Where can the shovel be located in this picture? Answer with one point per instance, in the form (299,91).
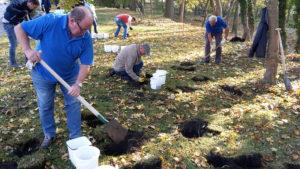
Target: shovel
(114,129)
(286,80)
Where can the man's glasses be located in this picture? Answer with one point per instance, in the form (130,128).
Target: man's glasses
(81,30)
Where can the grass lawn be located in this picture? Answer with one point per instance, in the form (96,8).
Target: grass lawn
(263,119)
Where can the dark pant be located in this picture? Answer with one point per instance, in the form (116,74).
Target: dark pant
(136,69)
(9,29)
(218,38)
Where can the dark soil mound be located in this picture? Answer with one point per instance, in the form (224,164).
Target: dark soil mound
(187,64)
(151,163)
(186,89)
(232,90)
(184,68)
(237,39)
(195,128)
(27,147)
(292,166)
(9,165)
(251,161)
(91,120)
(200,78)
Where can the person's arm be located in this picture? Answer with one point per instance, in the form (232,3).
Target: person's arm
(32,55)
(209,37)
(129,22)
(226,33)
(83,73)
(129,68)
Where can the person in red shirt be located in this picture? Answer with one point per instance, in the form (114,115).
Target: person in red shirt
(123,20)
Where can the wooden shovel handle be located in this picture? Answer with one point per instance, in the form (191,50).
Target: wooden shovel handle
(80,98)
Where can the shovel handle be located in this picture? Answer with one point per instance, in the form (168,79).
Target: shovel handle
(80,98)
(281,50)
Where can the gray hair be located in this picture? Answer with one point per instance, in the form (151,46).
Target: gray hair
(79,13)
(212,18)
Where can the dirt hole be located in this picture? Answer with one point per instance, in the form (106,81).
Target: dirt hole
(253,161)
(187,63)
(232,90)
(186,89)
(292,166)
(132,142)
(91,120)
(237,39)
(150,163)
(9,165)
(195,128)
(184,68)
(200,78)
(27,147)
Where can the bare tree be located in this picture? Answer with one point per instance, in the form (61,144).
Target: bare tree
(235,23)
(181,11)
(282,19)
(271,62)
(250,16)
(297,23)
(244,19)
(218,8)
(169,9)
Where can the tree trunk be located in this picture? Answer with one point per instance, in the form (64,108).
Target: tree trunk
(218,8)
(282,20)
(244,19)
(205,12)
(235,23)
(297,24)
(213,7)
(181,11)
(169,9)
(250,16)
(230,6)
(271,61)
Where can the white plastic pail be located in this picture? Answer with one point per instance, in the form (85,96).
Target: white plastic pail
(86,157)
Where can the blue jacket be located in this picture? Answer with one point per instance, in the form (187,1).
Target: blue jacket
(260,41)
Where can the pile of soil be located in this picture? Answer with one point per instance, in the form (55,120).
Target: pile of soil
(200,78)
(232,90)
(34,161)
(237,39)
(132,142)
(292,166)
(253,161)
(184,68)
(91,120)
(150,163)
(195,128)
(186,89)
(28,147)
(187,63)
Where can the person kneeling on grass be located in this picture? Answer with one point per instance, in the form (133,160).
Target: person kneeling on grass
(128,63)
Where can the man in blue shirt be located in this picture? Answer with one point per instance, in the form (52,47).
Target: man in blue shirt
(66,46)
(214,28)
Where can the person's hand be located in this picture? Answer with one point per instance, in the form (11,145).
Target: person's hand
(33,55)
(143,75)
(141,79)
(74,90)
(226,38)
(130,28)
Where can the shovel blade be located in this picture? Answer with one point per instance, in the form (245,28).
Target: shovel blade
(287,83)
(115,131)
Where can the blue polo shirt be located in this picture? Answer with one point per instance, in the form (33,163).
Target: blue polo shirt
(218,28)
(59,50)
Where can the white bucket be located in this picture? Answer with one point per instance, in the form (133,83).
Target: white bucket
(105,35)
(160,75)
(86,157)
(155,83)
(122,47)
(74,145)
(115,48)
(107,48)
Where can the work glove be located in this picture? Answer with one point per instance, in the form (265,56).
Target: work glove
(143,75)
(130,28)
(141,79)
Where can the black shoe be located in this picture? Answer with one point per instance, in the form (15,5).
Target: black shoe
(46,142)
(110,73)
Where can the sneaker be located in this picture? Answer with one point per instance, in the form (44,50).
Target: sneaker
(46,142)
(206,60)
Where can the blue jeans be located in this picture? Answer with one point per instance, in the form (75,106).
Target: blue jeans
(9,29)
(136,69)
(218,38)
(120,24)
(45,91)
